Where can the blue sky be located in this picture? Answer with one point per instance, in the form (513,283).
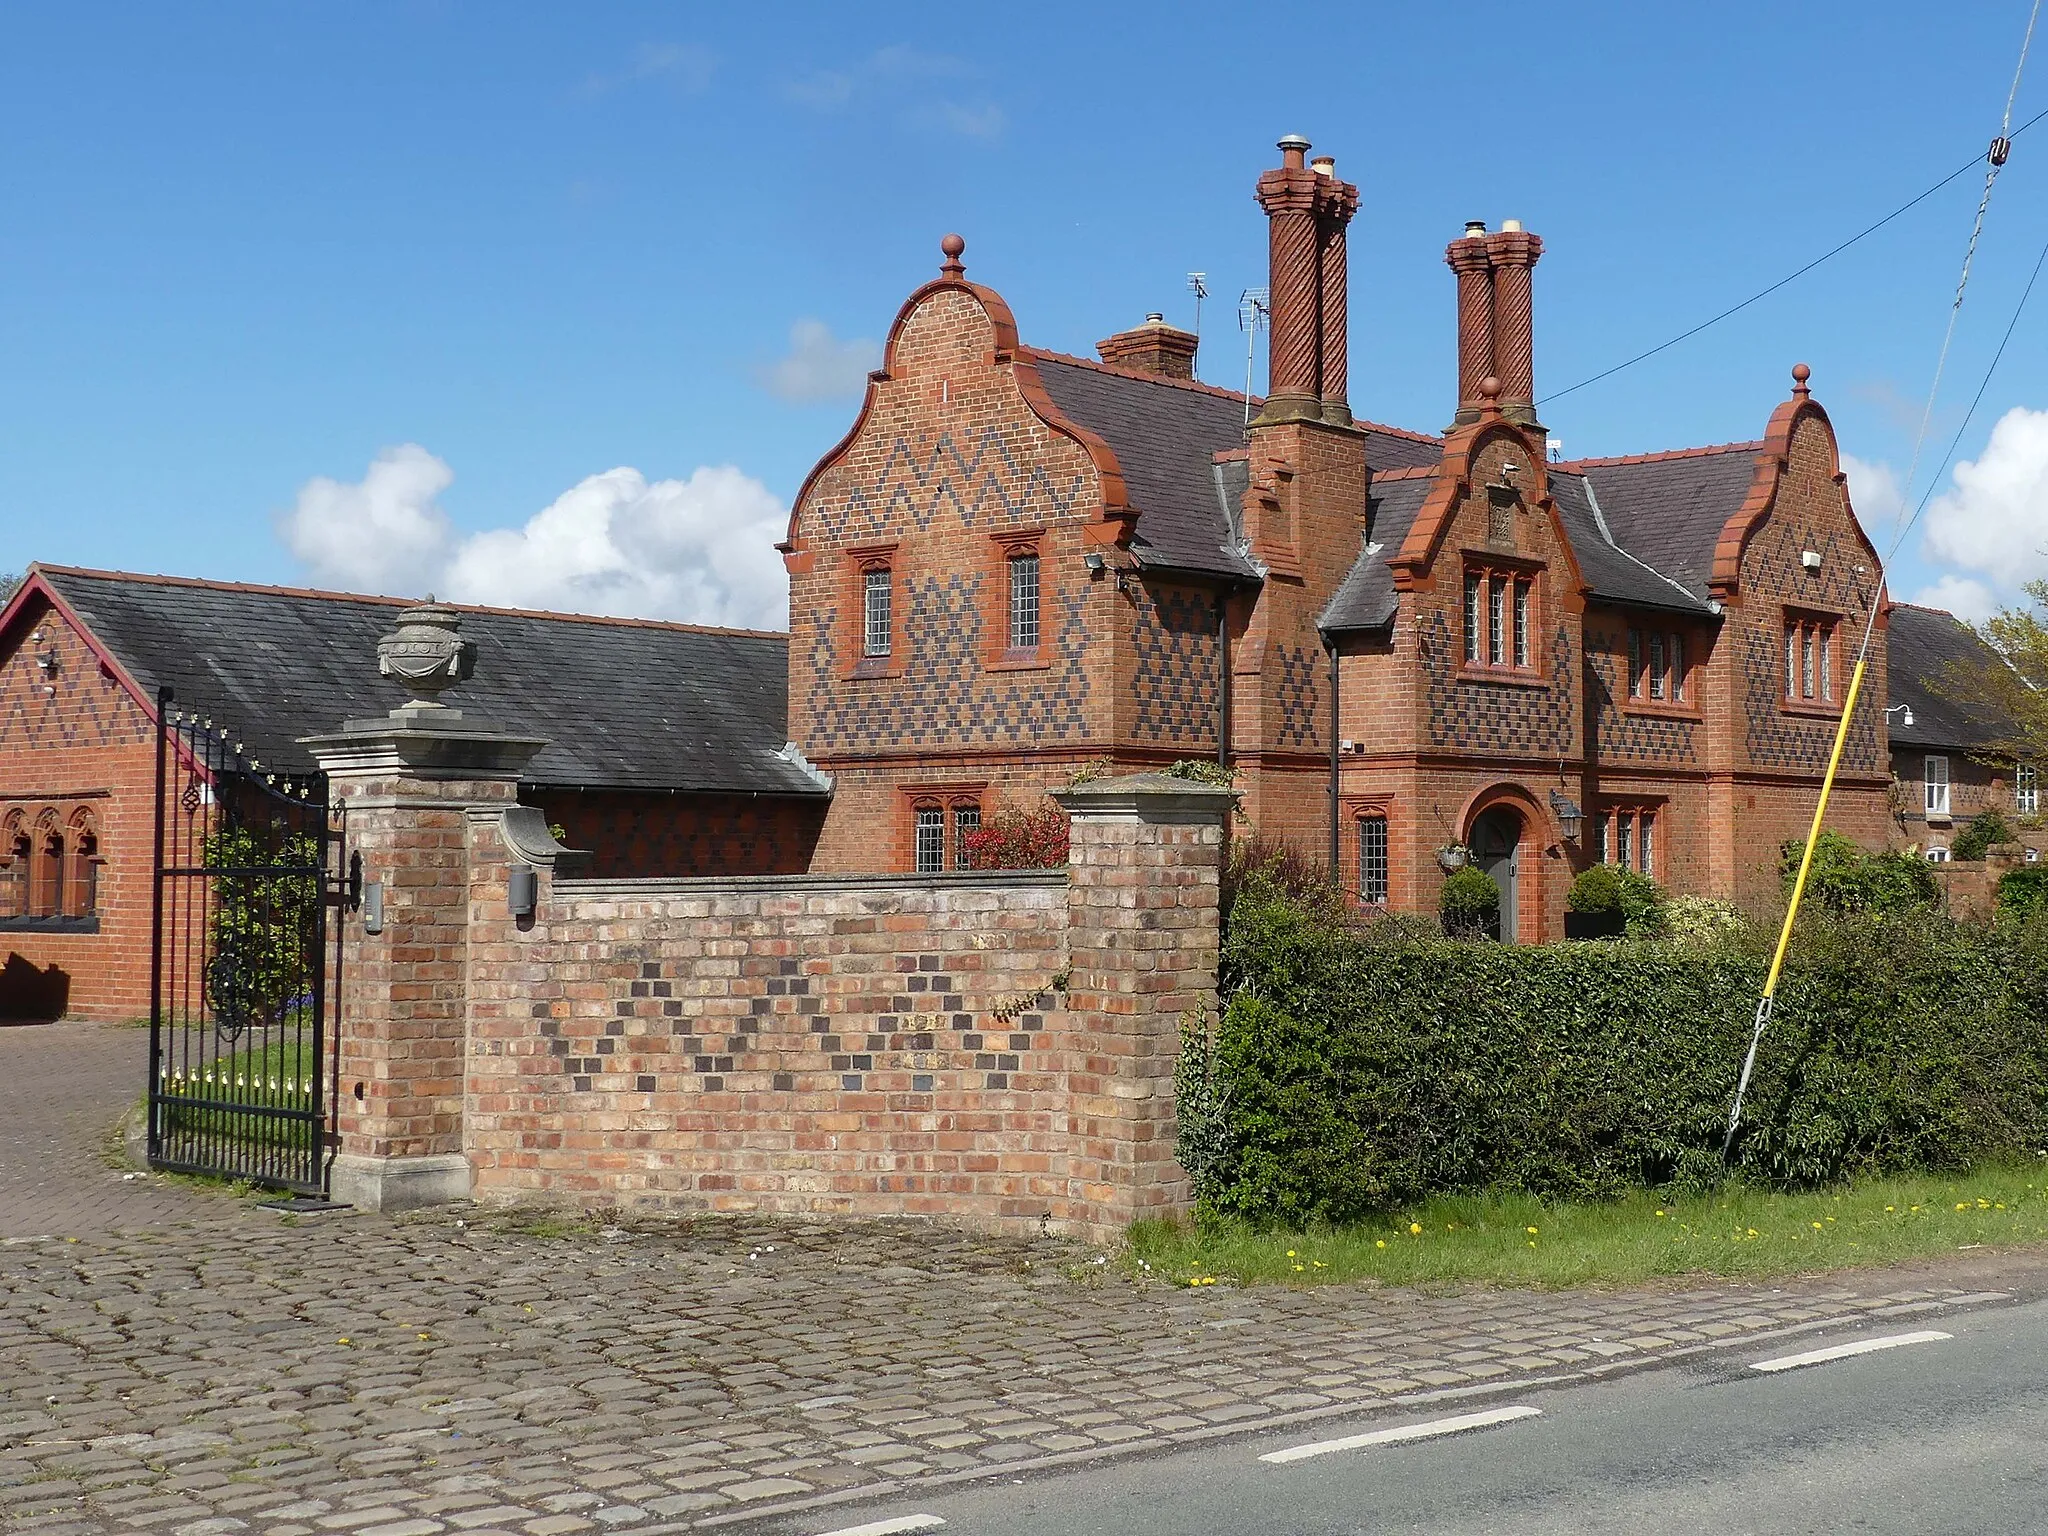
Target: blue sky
(623,262)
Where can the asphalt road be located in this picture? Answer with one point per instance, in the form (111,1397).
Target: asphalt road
(1945,1435)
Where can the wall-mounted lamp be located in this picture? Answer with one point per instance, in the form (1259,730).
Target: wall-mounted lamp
(1569,816)
(1097,564)
(1903,711)
(522,890)
(373,907)
(1810,558)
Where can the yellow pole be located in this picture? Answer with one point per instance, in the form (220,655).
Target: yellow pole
(1820,810)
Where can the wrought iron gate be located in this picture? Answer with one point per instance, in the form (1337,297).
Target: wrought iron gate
(243,959)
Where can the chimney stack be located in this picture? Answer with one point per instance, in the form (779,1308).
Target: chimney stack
(1496,318)
(1515,252)
(1154,347)
(1307,209)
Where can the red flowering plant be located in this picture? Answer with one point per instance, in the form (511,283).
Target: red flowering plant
(1014,839)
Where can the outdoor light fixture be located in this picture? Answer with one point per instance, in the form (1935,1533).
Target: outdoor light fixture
(1095,563)
(1568,814)
(522,890)
(1810,558)
(1903,711)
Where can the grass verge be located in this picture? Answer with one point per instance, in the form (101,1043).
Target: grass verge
(1521,1241)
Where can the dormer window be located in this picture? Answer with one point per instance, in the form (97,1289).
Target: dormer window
(1500,619)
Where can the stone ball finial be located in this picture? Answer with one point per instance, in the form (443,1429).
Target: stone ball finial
(1800,374)
(426,652)
(1489,389)
(952,246)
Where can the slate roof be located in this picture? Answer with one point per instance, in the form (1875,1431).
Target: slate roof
(1166,434)
(625,704)
(1668,509)
(1922,643)
(1613,572)
(1365,598)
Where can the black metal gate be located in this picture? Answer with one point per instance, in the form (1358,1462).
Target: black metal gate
(244,958)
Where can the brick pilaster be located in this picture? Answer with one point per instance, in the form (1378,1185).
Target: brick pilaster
(401,1025)
(1143,936)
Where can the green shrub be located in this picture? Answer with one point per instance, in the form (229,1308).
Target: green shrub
(1284,867)
(1469,901)
(1595,890)
(1361,1069)
(263,931)
(1642,905)
(1701,920)
(2023,892)
(1847,878)
(1986,830)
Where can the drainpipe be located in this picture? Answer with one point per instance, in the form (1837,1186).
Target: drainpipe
(1223,676)
(1330,644)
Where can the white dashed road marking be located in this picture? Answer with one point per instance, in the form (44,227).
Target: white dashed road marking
(1457,1424)
(1844,1351)
(890,1527)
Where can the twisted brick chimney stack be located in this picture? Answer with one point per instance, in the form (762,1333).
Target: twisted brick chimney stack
(1496,318)
(1308,210)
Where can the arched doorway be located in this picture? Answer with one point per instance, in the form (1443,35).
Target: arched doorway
(1496,852)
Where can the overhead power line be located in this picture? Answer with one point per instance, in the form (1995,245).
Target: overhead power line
(1792,277)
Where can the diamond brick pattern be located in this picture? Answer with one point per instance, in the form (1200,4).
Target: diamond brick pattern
(1173,638)
(1300,696)
(1627,736)
(983,485)
(1491,717)
(944,698)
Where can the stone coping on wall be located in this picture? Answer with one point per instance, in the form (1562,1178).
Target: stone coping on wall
(958,879)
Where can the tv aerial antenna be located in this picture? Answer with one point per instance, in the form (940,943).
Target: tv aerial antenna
(1198,285)
(1254,313)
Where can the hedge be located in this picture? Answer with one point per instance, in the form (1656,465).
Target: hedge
(1353,1072)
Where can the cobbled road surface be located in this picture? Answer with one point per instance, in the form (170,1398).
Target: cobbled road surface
(180,1360)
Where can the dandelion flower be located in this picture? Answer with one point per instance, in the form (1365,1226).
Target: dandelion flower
(1818,1227)
(1660,1213)
(1298,1268)
(1532,1231)
(1962,1205)
(1290,1253)
(1752,1232)
(1415,1229)
(1381,1243)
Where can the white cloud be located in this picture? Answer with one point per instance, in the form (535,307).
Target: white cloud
(1962,596)
(701,550)
(929,90)
(684,67)
(819,366)
(378,534)
(1995,518)
(1874,493)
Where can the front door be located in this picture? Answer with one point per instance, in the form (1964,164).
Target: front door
(1496,850)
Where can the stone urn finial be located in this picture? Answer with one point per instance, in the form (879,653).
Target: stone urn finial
(426,652)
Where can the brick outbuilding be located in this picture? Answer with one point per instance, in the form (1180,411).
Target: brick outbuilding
(678,763)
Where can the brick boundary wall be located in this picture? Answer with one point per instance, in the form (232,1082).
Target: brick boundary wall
(992,1049)
(996,1049)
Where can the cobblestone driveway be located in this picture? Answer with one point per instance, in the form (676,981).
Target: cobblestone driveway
(238,1370)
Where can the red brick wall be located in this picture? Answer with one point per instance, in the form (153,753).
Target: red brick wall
(87,749)
(994,1049)
(633,835)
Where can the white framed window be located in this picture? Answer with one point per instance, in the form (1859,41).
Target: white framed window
(1471,615)
(1521,623)
(1496,622)
(1024,601)
(2026,790)
(931,839)
(1624,825)
(1937,855)
(1372,860)
(877,615)
(966,819)
(1935,776)
(1646,846)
